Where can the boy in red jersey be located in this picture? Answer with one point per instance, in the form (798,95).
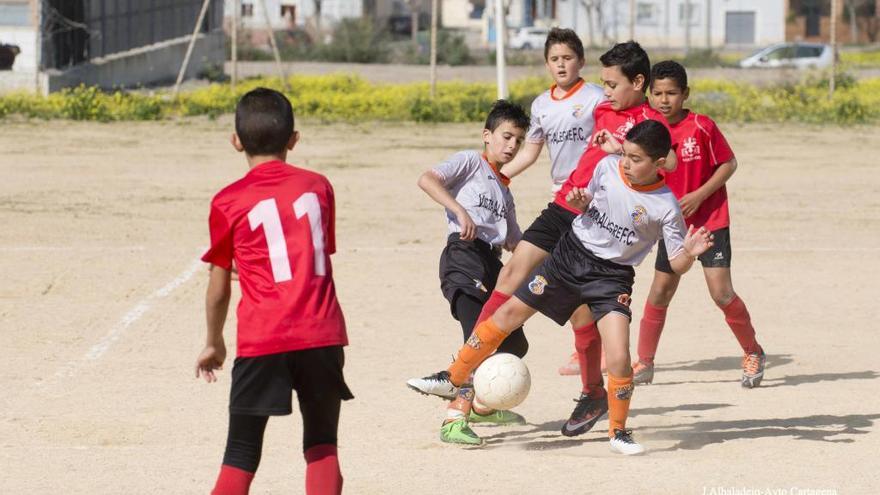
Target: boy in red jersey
(625,209)
(626,71)
(706,162)
(277,225)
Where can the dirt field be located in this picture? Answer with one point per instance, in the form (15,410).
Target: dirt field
(102,317)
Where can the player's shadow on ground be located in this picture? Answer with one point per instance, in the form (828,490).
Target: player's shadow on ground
(790,380)
(819,428)
(722,363)
(547,436)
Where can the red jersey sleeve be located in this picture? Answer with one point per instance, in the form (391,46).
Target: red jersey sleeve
(719,150)
(220,253)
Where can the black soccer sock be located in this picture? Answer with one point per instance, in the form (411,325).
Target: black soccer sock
(244,445)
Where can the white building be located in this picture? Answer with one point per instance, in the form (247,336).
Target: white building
(287,14)
(678,23)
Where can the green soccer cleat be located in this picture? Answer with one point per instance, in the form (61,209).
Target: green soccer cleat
(497,418)
(458,431)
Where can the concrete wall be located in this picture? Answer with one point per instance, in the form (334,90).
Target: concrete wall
(158,63)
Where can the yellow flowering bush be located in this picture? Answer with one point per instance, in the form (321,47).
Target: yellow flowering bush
(349,98)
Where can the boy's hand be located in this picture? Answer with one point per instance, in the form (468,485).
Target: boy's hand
(697,243)
(579,198)
(689,203)
(210,359)
(605,140)
(468,227)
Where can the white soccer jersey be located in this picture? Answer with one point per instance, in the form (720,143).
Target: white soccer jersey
(565,124)
(475,185)
(624,221)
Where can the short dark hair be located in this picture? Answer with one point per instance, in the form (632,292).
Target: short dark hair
(632,60)
(670,69)
(566,37)
(264,121)
(506,111)
(652,136)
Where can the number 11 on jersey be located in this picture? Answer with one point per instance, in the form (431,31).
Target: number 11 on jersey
(266,213)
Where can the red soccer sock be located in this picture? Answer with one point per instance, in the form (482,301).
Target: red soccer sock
(496,299)
(650,329)
(740,322)
(323,476)
(232,481)
(588,345)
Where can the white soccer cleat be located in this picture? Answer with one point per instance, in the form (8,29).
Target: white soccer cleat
(437,384)
(622,442)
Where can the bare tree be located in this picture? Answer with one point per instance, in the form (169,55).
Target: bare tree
(850,6)
(414,18)
(318,5)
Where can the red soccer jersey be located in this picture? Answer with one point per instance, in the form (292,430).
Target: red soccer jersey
(277,223)
(619,122)
(701,148)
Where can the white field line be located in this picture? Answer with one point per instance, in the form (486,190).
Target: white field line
(12,249)
(127,320)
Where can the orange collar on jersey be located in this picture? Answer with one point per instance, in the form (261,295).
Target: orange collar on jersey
(501,177)
(568,93)
(640,188)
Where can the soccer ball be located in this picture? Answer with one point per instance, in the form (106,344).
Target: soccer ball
(502,382)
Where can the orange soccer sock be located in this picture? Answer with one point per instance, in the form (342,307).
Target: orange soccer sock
(619,393)
(650,328)
(740,323)
(485,338)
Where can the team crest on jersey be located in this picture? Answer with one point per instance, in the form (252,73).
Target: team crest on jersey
(537,285)
(639,215)
(624,128)
(577,111)
(690,149)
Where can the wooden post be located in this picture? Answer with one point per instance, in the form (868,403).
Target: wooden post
(192,43)
(687,27)
(274,45)
(500,30)
(632,19)
(831,81)
(434,8)
(236,10)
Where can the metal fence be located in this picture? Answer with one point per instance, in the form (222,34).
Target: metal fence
(75,31)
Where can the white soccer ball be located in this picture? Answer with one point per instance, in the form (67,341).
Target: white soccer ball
(502,381)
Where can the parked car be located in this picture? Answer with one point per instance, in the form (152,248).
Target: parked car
(796,55)
(529,38)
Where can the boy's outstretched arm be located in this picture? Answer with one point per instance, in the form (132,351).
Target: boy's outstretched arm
(692,200)
(696,242)
(216,306)
(433,186)
(526,157)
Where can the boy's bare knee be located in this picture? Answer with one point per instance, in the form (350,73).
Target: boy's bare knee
(722,297)
(617,362)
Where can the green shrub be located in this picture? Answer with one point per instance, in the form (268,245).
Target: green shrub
(338,97)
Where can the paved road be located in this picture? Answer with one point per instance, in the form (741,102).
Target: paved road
(389,73)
